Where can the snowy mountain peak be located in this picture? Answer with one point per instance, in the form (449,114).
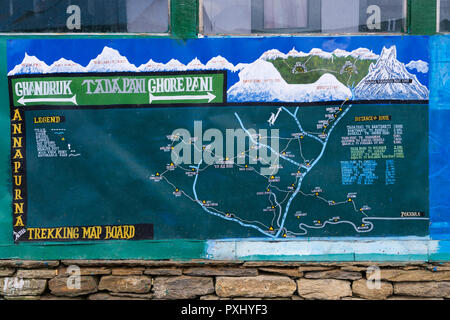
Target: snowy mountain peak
(195,64)
(388,53)
(110,60)
(107,51)
(64,65)
(295,53)
(151,66)
(261,81)
(273,54)
(219,63)
(292,52)
(260,70)
(387,56)
(174,65)
(29,65)
(319,52)
(388,79)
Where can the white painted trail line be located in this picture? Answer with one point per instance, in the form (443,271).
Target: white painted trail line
(209,96)
(23,101)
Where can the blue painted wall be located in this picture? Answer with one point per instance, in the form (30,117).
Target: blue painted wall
(439,120)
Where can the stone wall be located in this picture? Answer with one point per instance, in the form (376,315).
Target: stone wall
(205,279)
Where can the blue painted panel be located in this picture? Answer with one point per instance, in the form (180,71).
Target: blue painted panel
(439,119)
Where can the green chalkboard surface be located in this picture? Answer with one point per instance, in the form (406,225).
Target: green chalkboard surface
(192,170)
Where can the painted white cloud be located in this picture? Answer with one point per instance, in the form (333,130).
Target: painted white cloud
(419,65)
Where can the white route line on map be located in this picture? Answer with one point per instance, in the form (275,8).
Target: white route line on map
(366,226)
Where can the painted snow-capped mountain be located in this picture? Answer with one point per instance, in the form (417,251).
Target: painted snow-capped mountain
(151,66)
(273,54)
(364,54)
(29,65)
(110,60)
(261,81)
(320,53)
(174,65)
(64,65)
(219,63)
(296,54)
(388,79)
(360,53)
(195,64)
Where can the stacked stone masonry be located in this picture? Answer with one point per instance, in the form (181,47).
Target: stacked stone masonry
(213,280)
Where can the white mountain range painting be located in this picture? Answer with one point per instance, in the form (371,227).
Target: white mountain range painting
(261,81)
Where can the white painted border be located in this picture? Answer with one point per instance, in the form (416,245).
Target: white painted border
(245,249)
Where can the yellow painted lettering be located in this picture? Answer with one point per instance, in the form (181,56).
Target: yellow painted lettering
(17,115)
(19,222)
(18,154)
(17,128)
(17,142)
(17,194)
(17,180)
(18,208)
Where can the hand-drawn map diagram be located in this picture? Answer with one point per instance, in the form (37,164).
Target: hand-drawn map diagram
(316,141)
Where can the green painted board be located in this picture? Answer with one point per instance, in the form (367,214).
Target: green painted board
(120,89)
(118,166)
